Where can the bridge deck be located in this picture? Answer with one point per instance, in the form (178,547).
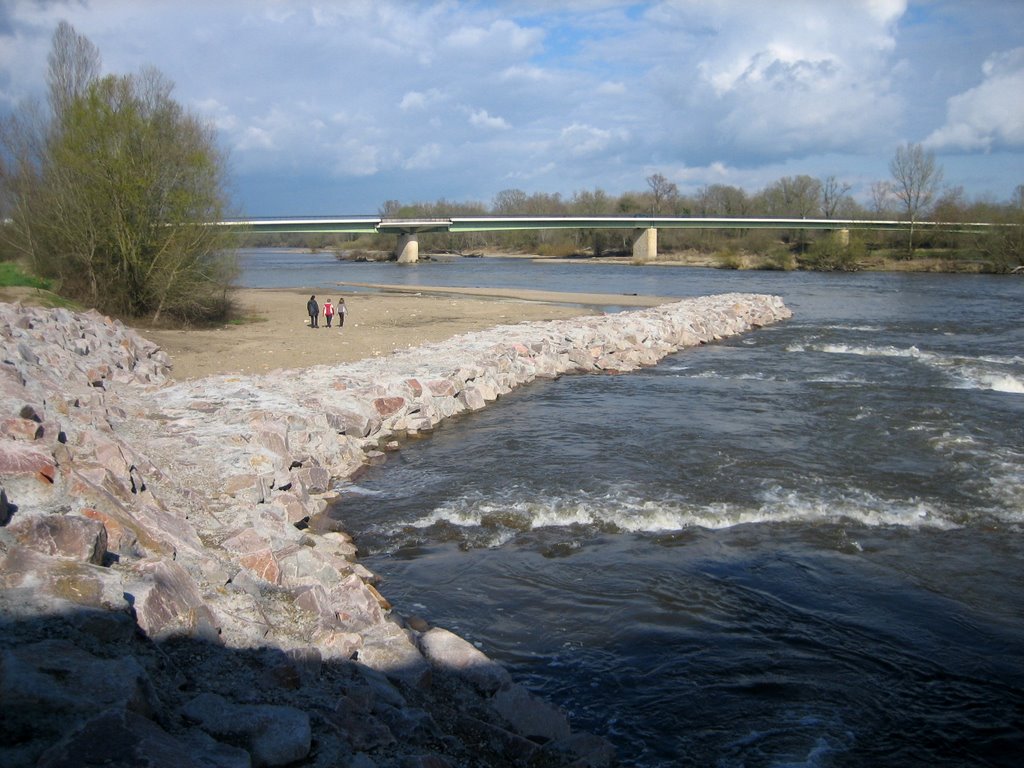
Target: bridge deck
(379,225)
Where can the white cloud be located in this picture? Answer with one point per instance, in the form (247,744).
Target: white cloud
(501,35)
(424,157)
(280,13)
(804,75)
(481,119)
(216,113)
(529,173)
(525,73)
(413,101)
(990,115)
(254,138)
(579,140)
(353,157)
(609,88)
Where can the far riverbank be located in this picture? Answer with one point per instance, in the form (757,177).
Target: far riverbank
(746,260)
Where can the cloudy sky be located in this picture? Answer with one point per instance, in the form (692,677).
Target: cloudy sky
(334,107)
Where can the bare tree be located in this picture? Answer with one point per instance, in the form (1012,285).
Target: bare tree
(881,194)
(510,202)
(595,203)
(798,196)
(662,191)
(832,194)
(723,200)
(390,209)
(22,154)
(74,65)
(916,180)
(951,205)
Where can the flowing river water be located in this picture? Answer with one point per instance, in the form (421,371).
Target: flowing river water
(802,546)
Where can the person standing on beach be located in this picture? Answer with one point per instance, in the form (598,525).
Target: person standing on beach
(314,312)
(328,312)
(342,311)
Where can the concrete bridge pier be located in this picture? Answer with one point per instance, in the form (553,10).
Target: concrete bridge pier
(408,249)
(645,246)
(842,237)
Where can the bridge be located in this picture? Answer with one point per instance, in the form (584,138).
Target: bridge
(644,228)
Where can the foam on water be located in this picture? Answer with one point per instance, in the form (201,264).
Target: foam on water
(1004,478)
(997,472)
(997,382)
(860,328)
(757,376)
(863,350)
(358,490)
(687,371)
(997,373)
(492,520)
(853,505)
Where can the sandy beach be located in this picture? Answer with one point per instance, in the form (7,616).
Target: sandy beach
(274,331)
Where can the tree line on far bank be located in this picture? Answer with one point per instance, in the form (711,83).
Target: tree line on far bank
(106,192)
(914,193)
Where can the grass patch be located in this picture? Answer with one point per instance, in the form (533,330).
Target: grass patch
(36,297)
(17,285)
(12,276)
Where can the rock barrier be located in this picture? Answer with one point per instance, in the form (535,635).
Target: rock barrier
(172,587)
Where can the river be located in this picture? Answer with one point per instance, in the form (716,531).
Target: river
(802,546)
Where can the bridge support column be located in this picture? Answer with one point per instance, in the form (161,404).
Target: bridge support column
(842,237)
(645,246)
(408,249)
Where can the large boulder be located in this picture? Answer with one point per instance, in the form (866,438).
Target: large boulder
(49,687)
(272,735)
(119,737)
(167,603)
(32,581)
(79,538)
(450,653)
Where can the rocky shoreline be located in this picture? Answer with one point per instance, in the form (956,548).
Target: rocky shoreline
(173,590)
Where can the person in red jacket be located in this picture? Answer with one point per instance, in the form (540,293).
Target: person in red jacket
(328,312)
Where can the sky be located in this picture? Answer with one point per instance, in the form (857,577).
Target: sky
(332,108)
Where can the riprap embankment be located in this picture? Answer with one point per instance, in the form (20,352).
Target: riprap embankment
(170,582)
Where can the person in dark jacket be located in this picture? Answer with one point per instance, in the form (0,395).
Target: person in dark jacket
(314,312)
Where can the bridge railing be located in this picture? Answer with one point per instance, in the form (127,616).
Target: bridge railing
(411,226)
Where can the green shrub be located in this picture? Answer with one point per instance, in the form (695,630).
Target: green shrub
(556,250)
(111,194)
(759,241)
(829,255)
(779,258)
(729,259)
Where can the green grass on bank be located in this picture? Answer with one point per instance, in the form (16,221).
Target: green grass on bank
(12,276)
(17,285)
